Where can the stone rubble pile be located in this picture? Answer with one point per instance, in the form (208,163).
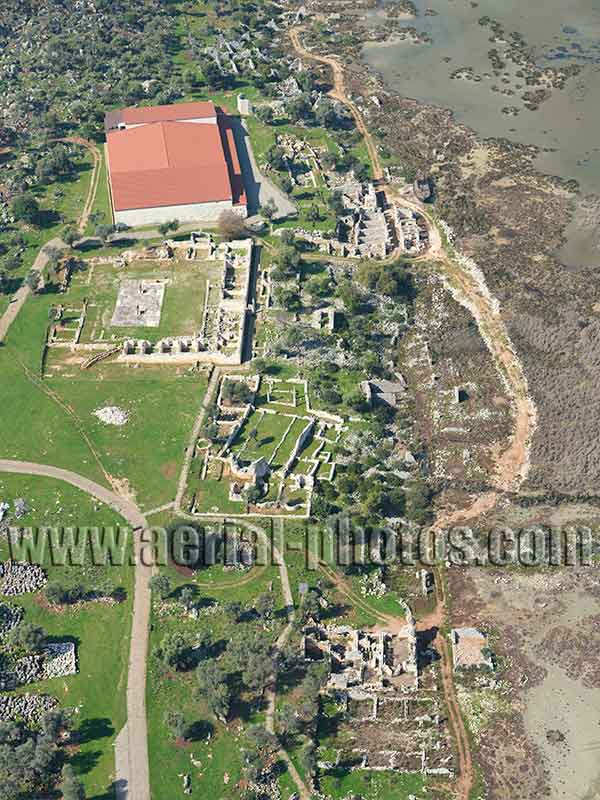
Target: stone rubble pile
(112,415)
(19,577)
(10,616)
(21,508)
(30,707)
(60,659)
(55,661)
(28,669)
(8,682)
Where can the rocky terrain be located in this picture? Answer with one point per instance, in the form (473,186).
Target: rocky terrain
(511,220)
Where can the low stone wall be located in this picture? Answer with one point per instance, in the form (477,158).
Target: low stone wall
(10,617)
(302,439)
(19,577)
(30,707)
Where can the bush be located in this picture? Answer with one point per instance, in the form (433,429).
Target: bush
(175,724)
(25,208)
(236,392)
(175,651)
(170,225)
(29,636)
(71,786)
(232,226)
(55,593)
(161,585)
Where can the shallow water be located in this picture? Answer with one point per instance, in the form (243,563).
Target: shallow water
(562,703)
(557,34)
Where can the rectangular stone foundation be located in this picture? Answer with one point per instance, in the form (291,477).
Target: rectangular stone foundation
(139,304)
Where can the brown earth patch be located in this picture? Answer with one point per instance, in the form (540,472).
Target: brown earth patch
(169,470)
(533,619)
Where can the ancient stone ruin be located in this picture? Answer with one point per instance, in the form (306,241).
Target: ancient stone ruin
(384,719)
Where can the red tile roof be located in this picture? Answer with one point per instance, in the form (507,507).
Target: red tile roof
(167,163)
(135,115)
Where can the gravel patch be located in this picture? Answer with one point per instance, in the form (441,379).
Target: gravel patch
(112,415)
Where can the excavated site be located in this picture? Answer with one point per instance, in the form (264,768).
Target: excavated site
(511,220)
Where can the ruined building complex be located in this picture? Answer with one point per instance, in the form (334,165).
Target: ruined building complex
(384,719)
(220,339)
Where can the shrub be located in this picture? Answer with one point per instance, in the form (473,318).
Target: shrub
(25,208)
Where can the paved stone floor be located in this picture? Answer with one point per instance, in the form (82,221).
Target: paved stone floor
(139,304)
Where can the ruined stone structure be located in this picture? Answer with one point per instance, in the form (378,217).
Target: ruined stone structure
(383,392)
(139,304)
(383,721)
(309,435)
(221,337)
(412,231)
(367,228)
(363,662)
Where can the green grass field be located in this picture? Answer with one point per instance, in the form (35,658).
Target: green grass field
(220,756)
(285,450)
(39,429)
(147,452)
(101,631)
(269,430)
(370,785)
(212,496)
(183,302)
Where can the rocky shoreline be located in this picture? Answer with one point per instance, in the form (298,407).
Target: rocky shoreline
(511,219)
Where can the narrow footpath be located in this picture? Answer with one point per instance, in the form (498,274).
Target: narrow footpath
(271,689)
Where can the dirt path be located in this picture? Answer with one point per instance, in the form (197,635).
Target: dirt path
(468,287)
(56,398)
(270,693)
(435,620)
(91,196)
(19,298)
(253,575)
(132,779)
(339,93)
(271,689)
(342,587)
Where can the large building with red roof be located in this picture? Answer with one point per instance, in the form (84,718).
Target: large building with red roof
(172,162)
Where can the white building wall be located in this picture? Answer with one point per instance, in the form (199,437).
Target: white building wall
(195,212)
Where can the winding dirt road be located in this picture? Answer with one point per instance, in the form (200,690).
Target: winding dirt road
(468,287)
